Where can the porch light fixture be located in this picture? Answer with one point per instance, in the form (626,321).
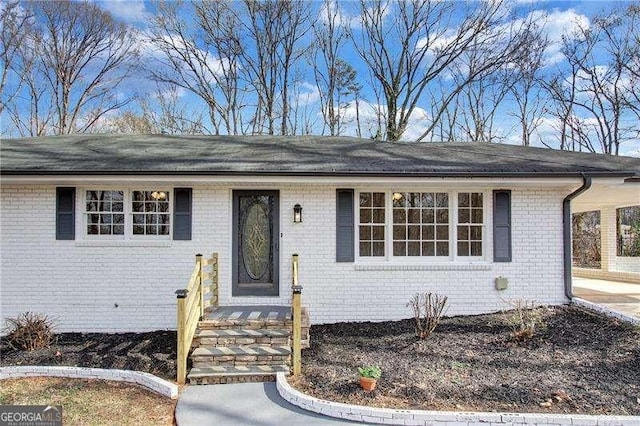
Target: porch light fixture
(297,213)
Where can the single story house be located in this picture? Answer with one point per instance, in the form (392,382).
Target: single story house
(98,231)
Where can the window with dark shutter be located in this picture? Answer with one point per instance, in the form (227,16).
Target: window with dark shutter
(502,226)
(65,213)
(182,214)
(344,225)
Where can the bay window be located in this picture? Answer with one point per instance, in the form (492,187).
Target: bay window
(428,225)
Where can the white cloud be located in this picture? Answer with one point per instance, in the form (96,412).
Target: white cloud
(331,10)
(308,94)
(127,10)
(210,66)
(557,24)
(629,150)
(370,112)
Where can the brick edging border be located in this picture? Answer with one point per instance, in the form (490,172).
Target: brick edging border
(604,310)
(147,380)
(366,414)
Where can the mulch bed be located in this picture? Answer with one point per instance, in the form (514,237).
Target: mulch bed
(580,362)
(152,352)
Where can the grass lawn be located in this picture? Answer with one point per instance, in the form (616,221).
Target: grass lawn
(91,402)
(579,362)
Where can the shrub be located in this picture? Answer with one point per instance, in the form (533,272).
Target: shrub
(524,319)
(370,371)
(428,310)
(29,331)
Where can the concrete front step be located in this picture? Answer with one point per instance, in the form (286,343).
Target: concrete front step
(241,337)
(241,355)
(253,324)
(235,374)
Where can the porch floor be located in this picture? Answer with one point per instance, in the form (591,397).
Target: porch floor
(261,312)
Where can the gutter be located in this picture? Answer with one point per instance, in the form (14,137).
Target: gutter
(566,233)
(311,173)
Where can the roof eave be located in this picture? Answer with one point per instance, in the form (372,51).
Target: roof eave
(630,175)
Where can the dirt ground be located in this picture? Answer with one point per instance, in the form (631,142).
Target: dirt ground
(579,362)
(153,352)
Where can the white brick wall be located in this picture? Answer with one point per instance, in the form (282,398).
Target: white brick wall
(80,282)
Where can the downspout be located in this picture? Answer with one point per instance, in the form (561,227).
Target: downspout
(566,232)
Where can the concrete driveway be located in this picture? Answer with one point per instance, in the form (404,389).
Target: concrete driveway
(617,296)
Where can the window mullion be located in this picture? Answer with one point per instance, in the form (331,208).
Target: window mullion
(128,216)
(454,226)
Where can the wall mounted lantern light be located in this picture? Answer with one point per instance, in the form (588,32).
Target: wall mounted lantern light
(297,213)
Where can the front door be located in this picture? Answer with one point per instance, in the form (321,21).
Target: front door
(255,243)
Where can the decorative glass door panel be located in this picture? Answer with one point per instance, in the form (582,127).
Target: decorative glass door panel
(255,243)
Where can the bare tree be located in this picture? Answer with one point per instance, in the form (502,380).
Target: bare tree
(335,78)
(160,112)
(32,110)
(14,29)
(72,61)
(596,97)
(85,54)
(409,44)
(201,56)
(478,100)
(273,33)
(528,88)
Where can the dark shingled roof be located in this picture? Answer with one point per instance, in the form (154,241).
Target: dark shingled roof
(291,155)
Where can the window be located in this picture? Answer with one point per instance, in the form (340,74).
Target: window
(420,224)
(372,224)
(427,225)
(470,222)
(105,213)
(127,213)
(150,213)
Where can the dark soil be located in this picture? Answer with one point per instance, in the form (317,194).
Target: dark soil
(153,352)
(579,362)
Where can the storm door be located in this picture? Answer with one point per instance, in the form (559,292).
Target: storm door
(255,243)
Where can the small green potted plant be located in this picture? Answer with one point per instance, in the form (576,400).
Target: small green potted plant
(369,376)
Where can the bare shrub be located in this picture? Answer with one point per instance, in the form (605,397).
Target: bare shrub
(29,331)
(524,319)
(428,310)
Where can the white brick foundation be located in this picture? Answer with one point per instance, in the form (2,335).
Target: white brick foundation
(129,286)
(146,380)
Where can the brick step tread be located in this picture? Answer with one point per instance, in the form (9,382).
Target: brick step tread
(246,322)
(228,371)
(262,350)
(242,332)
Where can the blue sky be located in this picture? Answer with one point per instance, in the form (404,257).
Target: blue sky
(561,16)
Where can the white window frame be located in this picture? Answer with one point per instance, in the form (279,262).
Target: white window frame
(128,215)
(453,228)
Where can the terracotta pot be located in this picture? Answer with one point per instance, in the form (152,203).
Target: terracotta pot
(368,384)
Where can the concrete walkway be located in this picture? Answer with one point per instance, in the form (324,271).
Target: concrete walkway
(251,404)
(615,295)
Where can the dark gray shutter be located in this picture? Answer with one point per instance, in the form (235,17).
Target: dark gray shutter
(344,225)
(502,226)
(65,213)
(182,213)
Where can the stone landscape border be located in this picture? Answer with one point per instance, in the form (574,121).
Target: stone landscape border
(147,380)
(605,310)
(365,414)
